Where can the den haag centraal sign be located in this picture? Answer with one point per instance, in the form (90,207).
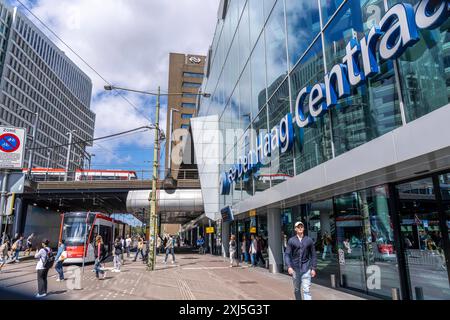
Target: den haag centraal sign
(12,147)
(398,30)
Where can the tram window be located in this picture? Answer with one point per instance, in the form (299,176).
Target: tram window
(106,234)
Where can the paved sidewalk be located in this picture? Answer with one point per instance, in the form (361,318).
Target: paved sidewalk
(192,277)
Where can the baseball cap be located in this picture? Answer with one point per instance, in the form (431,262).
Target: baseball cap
(298,223)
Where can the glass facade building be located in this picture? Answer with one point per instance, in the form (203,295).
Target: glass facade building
(372,199)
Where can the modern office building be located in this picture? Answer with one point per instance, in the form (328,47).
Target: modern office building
(186,72)
(39,77)
(332,113)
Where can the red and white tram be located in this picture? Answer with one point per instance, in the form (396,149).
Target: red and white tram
(49,174)
(79,230)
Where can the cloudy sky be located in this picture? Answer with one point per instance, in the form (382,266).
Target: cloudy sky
(128,42)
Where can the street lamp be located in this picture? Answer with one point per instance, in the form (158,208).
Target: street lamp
(35,125)
(69,149)
(153,215)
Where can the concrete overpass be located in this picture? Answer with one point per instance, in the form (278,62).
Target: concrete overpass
(178,203)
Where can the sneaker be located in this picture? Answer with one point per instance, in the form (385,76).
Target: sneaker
(58,280)
(104,275)
(173,262)
(41,295)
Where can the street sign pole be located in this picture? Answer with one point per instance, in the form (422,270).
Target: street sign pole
(3,203)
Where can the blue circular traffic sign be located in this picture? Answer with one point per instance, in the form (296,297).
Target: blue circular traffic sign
(9,142)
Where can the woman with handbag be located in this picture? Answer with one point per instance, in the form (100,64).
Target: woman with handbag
(61,255)
(100,255)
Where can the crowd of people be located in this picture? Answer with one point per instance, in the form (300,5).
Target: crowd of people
(300,255)
(10,248)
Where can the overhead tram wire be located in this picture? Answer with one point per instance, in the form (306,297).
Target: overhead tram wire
(94,139)
(81,58)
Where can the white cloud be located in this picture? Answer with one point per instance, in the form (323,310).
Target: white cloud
(128,42)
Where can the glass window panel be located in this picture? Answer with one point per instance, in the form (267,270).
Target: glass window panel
(258,76)
(329,7)
(312,143)
(372,109)
(281,165)
(262,178)
(256,19)
(365,240)
(245,145)
(268,5)
(192,75)
(244,38)
(276,54)
(423,239)
(321,227)
(245,90)
(424,72)
(303,25)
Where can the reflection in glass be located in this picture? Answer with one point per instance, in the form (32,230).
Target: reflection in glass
(276,55)
(423,240)
(258,72)
(425,71)
(312,143)
(366,241)
(303,25)
(372,109)
(244,38)
(262,177)
(320,223)
(256,19)
(281,166)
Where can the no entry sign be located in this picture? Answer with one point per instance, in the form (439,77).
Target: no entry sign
(12,142)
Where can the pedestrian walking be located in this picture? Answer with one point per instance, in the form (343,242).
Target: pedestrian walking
(301,259)
(326,243)
(100,256)
(4,254)
(244,249)
(29,244)
(140,249)
(158,244)
(122,242)
(45,262)
(117,255)
(16,248)
(260,245)
(170,249)
(128,245)
(253,250)
(233,251)
(61,255)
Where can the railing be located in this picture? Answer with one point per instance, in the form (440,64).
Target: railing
(53,175)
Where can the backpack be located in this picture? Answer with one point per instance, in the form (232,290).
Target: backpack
(49,260)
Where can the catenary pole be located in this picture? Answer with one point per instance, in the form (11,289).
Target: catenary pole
(152,227)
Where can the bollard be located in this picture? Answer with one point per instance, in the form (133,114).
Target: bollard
(419,293)
(395,292)
(333,281)
(343,281)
